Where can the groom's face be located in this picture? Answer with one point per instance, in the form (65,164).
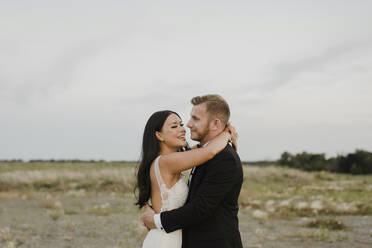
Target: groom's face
(199,122)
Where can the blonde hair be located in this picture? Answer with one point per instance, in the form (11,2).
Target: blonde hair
(216,106)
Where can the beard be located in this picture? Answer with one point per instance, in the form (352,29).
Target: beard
(200,134)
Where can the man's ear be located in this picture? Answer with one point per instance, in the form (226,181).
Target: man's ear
(215,124)
(158,136)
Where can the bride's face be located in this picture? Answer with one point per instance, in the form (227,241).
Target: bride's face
(172,133)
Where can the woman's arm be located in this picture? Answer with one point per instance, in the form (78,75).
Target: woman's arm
(180,161)
(223,177)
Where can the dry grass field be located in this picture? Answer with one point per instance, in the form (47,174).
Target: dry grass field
(92,205)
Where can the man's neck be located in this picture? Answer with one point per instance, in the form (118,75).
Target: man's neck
(209,137)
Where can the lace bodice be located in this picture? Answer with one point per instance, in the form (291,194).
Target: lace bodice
(174,197)
(171,198)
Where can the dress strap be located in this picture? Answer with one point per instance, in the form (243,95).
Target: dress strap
(157,173)
(163,188)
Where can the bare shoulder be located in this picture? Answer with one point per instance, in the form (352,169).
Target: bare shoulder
(164,167)
(164,163)
(152,171)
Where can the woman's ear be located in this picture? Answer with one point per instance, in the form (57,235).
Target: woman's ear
(158,136)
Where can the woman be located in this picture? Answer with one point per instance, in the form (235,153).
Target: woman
(159,173)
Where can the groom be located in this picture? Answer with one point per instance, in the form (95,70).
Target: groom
(209,217)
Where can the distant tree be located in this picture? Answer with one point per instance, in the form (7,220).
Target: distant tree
(305,161)
(359,162)
(285,158)
(12,161)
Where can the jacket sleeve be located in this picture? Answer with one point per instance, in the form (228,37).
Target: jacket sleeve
(219,179)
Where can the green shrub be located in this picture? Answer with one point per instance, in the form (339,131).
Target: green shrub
(305,161)
(357,163)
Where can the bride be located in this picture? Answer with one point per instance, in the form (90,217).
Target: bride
(159,174)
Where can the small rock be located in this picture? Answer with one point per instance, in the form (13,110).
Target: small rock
(259,214)
(302,205)
(67,238)
(317,205)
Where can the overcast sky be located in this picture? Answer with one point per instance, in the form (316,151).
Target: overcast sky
(79,79)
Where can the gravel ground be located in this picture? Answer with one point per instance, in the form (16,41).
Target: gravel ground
(111,220)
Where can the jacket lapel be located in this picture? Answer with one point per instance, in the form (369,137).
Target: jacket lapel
(194,181)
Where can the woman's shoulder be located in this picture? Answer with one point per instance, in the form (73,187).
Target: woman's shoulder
(152,166)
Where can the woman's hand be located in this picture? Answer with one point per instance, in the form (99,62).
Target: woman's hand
(219,143)
(234,135)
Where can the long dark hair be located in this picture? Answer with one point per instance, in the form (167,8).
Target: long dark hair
(150,150)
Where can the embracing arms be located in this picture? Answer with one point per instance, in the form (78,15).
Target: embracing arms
(222,176)
(177,162)
(180,161)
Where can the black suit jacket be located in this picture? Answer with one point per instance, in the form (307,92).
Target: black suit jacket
(210,216)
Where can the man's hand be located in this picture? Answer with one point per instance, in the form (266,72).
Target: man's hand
(147,218)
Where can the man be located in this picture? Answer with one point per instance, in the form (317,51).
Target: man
(209,217)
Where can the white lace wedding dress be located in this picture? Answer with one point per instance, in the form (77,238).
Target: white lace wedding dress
(172,198)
